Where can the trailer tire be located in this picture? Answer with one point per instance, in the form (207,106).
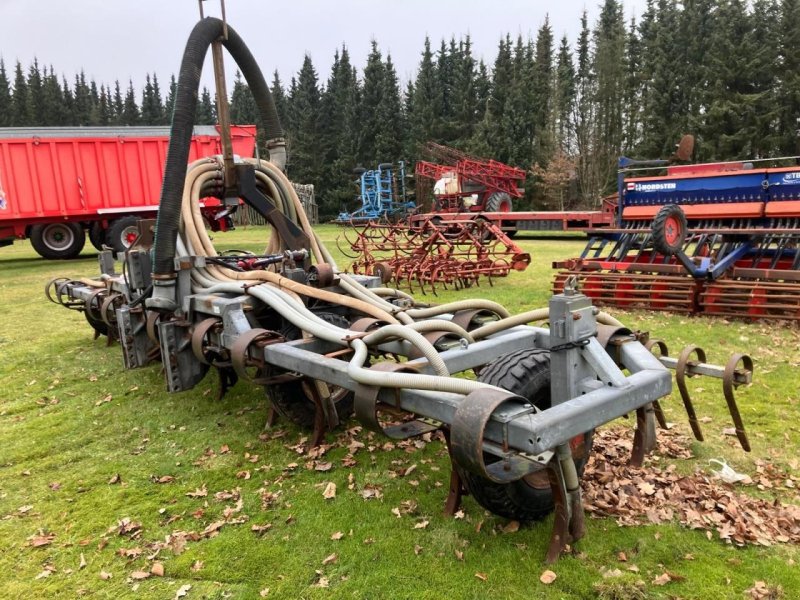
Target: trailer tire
(526,373)
(291,400)
(97,235)
(58,240)
(669,230)
(121,233)
(498,202)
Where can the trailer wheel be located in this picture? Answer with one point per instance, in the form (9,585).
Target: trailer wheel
(669,230)
(58,240)
(122,233)
(292,400)
(97,235)
(526,373)
(498,202)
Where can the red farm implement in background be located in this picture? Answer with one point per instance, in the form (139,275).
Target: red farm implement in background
(465,183)
(717,239)
(57,184)
(467,188)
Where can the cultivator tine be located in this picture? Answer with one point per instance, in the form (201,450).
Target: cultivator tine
(644,438)
(568,518)
(680,379)
(728,385)
(662,351)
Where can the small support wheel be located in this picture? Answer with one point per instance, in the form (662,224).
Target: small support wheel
(525,373)
(669,230)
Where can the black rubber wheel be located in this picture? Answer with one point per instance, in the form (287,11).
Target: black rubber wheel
(122,233)
(526,373)
(58,240)
(292,400)
(669,230)
(498,202)
(97,235)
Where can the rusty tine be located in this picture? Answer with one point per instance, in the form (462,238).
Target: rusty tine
(663,351)
(728,385)
(680,379)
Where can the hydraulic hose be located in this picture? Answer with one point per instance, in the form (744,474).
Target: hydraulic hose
(202,36)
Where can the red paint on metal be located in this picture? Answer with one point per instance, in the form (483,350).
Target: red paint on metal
(84,178)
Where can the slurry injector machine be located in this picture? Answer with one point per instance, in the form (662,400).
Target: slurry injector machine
(324,344)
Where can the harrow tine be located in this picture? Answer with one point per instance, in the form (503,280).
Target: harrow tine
(663,351)
(728,386)
(680,379)
(644,438)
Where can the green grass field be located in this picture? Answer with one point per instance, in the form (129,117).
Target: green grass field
(84,444)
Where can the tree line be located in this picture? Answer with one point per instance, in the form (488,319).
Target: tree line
(727,71)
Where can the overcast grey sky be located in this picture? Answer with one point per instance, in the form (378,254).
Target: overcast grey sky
(124,39)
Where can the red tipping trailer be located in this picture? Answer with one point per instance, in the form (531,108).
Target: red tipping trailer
(57,183)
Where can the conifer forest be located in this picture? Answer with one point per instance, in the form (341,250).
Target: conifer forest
(726,71)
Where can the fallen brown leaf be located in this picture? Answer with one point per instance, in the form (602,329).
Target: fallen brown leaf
(331,558)
(157,569)
(200,492)
(662,579)
(140,575)
(511,527)
(547,577)
(182,591)
(104,575)
(337,535)
(115,479)
(330,491)
(42,539)
(482,576)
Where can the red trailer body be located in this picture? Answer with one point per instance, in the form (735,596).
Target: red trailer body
(57,182)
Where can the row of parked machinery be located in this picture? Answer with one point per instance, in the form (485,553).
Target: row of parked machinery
(324,344)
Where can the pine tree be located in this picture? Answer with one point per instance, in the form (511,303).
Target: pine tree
(732,97)
(609,71)
(206,113)
(104,107)
(169,106)
(372,93)
(632,97)
(158,104)
(118,104)
(390,133)
(585,121)
(305,160)
(564,98)
(541,96)
(464,95)
(422,110)
(338,135)
(130,111)
(664,101)
(5,96)
(69,102)
(35,96)
(279,98)
(243,105)
(83,101)
(789,84)
(53,105)
(20,108)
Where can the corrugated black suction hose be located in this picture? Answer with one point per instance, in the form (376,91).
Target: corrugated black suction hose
(204,33)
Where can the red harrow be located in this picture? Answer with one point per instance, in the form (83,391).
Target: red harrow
(718,239)
(434,253)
